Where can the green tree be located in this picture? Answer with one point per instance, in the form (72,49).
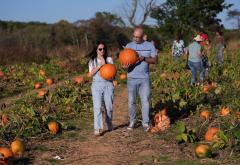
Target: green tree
(186,17)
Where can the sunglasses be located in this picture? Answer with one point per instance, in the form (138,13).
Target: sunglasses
(101,49)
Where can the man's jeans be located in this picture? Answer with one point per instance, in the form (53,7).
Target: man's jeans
(196,66)
(102,90)
(142,87)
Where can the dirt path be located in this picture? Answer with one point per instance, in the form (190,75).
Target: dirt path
(119,146)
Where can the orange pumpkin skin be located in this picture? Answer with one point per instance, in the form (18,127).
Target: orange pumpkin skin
(17,147)
(78,79)
(211,132)
(206,89)
(123,76)
(42,92)
(108,71)
(53,127)
(1,74)
(49,81)
(128,56)
(37,86)
(202,151)
(7,153)
(224,111)
(205,114)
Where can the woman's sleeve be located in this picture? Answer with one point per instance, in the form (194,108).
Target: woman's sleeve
(90,65)
(109,60)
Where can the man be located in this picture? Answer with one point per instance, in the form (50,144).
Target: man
(138,77)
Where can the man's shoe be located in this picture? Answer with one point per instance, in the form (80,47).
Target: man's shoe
(146,127)
(131,125)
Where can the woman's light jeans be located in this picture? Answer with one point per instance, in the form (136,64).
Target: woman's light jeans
(102,90)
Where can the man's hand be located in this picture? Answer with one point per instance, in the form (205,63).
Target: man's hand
(140,58)
(125,66)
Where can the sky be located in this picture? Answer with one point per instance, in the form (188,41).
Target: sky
(51,11)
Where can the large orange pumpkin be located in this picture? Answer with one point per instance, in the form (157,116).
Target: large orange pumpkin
(211,132)
(128,56)
(17,147)
(53,126)
(7,153)
(108,71)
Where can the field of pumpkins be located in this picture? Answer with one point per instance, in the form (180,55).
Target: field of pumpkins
(38,100)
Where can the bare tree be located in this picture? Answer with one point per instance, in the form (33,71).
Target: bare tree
(134,8)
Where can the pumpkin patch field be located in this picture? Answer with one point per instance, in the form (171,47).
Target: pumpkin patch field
(46,115)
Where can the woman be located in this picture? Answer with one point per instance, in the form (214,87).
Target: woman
(219,40)
(194,52)
(177,48)
(102,90)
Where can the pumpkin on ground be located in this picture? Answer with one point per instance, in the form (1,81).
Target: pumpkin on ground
(123,76)
(53,127)
(1,74)
(78,79)
(128,56)
(224,111)
(41,93)
(108,71)
(210,134)
(17,147)
(7,153)
(37,85)
(205,114)
(49,81)
(203,151)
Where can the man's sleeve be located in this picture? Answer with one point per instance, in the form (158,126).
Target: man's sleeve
(153,51)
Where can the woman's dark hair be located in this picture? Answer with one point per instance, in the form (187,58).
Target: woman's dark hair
(93,53)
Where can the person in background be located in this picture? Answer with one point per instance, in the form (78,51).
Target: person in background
(206,48)
(219,47)
(102,90)
(138,78)
(178,47)
(194,53)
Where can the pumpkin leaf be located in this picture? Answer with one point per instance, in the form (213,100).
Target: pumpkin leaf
(181,127)
(184,137)
(179,138)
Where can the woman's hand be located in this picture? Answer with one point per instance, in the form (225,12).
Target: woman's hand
(102,60)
